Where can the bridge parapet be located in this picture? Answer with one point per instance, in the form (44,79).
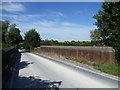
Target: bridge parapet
(103,54)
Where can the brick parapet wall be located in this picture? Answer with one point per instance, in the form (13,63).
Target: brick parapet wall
(104,54)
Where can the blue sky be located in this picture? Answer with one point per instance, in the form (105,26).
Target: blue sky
(62,21)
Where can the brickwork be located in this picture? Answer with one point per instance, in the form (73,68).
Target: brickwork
(105,54)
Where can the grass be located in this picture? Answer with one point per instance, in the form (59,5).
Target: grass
(101,66)
(106,68)
(111,68)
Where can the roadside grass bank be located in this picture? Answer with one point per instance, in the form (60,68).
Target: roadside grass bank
(112,68)
(106,68)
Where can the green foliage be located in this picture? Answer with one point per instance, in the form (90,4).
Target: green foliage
(76,43)
(95,35)
(117,54)
(108,23)
(27,46)
(4,26)
(66,43)
(50,42)
(5,45)
(107,68)
(10,34)
(13,36)
(32,38)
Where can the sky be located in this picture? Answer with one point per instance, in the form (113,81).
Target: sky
(62,21)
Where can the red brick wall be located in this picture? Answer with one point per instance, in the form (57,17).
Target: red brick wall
(105,54)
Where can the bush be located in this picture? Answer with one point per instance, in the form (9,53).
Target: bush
(117,54)
(4,45)
(27,47)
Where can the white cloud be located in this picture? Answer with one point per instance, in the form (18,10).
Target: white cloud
(65,34)
(55,13)
(21,18)
(68,24)
(48,30)
(48,14)
(12,7)
(40,20)
(52,29)
(46,23)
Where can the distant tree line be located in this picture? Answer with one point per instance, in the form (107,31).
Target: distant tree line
(66,43)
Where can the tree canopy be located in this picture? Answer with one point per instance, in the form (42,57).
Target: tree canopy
(13,35)
(10,34)
(108,25)
(4,26)
(66,43)
(32,38)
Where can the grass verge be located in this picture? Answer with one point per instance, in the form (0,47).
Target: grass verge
(106,68)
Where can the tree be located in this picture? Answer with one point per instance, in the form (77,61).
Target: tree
(46,42)
(96,37)
(4,26)
(108,23)
(54,42)
(13,36)
(32,38)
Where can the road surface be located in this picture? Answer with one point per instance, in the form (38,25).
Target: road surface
(36,71)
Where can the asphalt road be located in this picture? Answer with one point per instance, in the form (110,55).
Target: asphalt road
(36,71)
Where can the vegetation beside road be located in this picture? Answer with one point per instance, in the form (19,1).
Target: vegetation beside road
(107,68)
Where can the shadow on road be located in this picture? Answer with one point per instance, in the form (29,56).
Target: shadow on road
(24,64)
(30,82)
